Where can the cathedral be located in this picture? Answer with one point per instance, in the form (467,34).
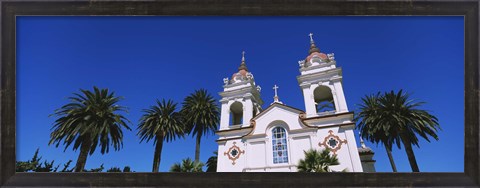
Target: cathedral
(252,139)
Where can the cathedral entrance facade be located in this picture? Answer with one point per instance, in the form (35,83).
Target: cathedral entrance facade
(252,139)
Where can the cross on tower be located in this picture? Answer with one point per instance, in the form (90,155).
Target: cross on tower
(311,37)
(243,55)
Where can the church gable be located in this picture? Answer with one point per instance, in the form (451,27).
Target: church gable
(277,114)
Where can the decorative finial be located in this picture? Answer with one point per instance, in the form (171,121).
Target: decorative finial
(362,143)
(275,98)
(243,66)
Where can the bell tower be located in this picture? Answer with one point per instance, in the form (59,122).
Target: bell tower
(321,83)
(325,106)
(240,99)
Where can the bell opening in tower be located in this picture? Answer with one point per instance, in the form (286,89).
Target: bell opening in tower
(324,102)
(236,114)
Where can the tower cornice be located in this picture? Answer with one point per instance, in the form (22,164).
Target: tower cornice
(329,75)
(320,66)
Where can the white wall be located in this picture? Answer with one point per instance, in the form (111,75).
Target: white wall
(258,156)
(300,144)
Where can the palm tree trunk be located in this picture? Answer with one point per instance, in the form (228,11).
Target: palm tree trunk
(390,157)
(82,157)
(157,156)
(197,147)
(410,154)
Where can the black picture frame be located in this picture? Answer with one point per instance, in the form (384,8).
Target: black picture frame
(12,8)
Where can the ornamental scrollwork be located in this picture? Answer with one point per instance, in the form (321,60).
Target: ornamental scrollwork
(331,56)
(301,63)
(302,115)
(249,76)
(259,88)
(225,81)
(252,122)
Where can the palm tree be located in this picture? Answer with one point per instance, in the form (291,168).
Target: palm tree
(317,161)
(90,119)
(399,121)
(370,130)
(212,162)
(201,116)
(160,123)
(187,166)
(407,121)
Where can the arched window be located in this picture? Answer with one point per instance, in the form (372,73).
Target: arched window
(279,143)
(323,99)
(236,113)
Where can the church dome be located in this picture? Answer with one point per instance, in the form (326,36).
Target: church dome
(315,56)
(242,73)
(314,51)
(320,55)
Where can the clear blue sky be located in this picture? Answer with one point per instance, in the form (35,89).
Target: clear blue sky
(144,58)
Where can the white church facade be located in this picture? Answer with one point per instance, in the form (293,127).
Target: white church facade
(252,139)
